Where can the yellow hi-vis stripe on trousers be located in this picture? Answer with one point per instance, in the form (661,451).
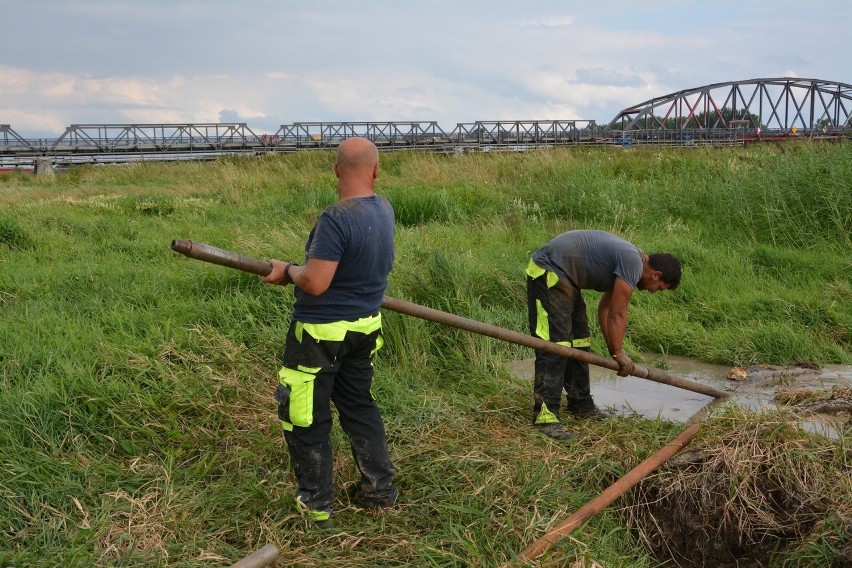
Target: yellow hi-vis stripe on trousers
(336,330)
(542,319)
(534,271)
(300,381)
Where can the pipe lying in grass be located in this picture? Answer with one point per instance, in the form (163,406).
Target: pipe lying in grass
(610,494)
(207,253)
(266,556)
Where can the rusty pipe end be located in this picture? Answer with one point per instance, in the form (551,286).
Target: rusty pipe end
(181,246)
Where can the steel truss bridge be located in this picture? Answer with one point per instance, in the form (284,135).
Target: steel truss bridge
(720,114)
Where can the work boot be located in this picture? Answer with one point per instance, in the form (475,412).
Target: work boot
(325,525)
(586,410)
(372,502)
(590,413)
(555,430)
(320,519)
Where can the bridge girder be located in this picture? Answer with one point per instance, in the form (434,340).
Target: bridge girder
(398,132)
(153,137)
(776,103)
(718,114)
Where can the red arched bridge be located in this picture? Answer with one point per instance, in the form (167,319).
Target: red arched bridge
(720,114)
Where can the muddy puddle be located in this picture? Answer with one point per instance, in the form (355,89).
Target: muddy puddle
(756,388)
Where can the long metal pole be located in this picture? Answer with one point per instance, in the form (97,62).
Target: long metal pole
(453,320)
(207,253)
(609,495)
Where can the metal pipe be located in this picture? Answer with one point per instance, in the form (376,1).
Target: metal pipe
(453,320)
(207,253)
(259,558)
(610,494)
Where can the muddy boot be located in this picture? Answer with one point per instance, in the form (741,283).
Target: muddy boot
(372,500)
(326,525)
(556,431)
(585,409)
(319,518)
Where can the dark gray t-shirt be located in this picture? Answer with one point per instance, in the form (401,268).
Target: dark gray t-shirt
(358,233)
(591,259)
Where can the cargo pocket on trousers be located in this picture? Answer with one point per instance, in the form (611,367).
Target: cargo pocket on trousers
(295,396)
(282,396)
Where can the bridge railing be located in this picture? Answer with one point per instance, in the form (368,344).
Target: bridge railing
(326,134)
(533,133)
(104,143)
(107,138)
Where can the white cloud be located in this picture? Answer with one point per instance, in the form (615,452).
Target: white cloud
(269,62)
(47,124)
(550,22)
(63,99)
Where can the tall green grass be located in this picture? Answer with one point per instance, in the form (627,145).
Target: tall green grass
(137,423)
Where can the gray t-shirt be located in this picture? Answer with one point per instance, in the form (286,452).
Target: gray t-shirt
(357,233)
(591,259)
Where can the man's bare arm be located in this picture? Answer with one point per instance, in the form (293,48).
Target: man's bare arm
(314,277)
(612,314)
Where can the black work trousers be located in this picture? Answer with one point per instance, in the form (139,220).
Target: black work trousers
(340,372)
(557,313)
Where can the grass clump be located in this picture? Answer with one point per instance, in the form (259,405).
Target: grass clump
(754,489)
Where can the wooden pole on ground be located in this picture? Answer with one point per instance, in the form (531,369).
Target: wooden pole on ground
(259,558)
(610,494)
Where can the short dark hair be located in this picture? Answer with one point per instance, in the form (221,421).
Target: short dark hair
(669,265)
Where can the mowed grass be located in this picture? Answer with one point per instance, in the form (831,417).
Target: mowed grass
(137,423)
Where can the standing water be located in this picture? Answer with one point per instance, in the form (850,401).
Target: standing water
(752,388)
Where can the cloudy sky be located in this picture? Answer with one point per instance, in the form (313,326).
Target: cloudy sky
(273,62)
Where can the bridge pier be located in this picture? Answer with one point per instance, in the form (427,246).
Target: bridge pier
(43,166)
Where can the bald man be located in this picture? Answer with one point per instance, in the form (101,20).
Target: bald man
(334,333)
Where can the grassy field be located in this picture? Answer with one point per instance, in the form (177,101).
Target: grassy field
(137,423)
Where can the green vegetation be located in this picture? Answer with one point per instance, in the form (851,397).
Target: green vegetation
(720,118)
(137,423)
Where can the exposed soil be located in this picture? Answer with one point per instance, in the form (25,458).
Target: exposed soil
(744,493)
